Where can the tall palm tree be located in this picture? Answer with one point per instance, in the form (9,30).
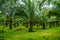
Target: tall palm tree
(28,11)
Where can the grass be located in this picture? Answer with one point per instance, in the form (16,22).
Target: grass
(39,34)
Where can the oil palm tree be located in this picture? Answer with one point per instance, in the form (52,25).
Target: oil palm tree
(8,8)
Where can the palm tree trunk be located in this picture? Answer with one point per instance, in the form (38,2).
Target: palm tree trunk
(4,23)
(50,24)
(31,27)
(31,22)
(43,25)
(10,25)
(27,25)
(37,24)
(57,23)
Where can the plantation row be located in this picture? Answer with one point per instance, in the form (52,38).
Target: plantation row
(29,13)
